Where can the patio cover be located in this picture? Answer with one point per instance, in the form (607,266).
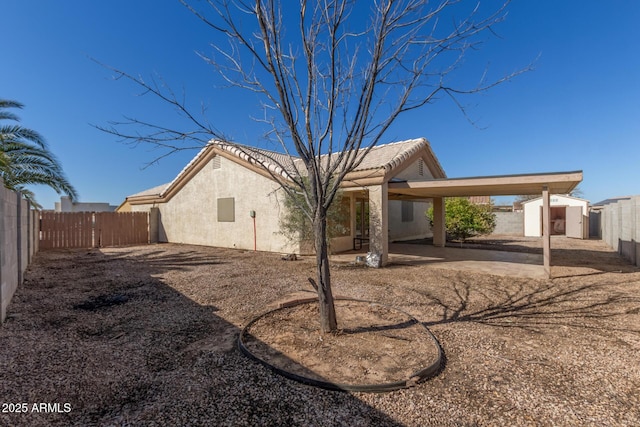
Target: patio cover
(499,185)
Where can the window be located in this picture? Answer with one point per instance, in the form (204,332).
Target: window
(407,211)
(362,218)
(226,210)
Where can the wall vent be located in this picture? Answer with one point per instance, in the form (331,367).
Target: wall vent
(216,162)
(420,167)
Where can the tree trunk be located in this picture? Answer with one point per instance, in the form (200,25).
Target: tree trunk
(328,321)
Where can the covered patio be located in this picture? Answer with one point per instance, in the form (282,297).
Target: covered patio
(543,184)
(497,262)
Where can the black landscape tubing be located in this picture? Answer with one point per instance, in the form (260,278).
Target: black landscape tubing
(414,379)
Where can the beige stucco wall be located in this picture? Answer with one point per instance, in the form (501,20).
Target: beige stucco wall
(417,229)
(341,244)
(191,215)
(412,172)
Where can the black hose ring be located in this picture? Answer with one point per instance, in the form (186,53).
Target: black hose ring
(415,378)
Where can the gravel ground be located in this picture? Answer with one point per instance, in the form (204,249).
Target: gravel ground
(146,336)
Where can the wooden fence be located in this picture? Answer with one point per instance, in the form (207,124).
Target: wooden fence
(92,229)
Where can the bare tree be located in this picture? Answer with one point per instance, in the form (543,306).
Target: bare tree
(333,76)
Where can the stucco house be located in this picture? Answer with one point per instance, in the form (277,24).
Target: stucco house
(229,195)
(218,196)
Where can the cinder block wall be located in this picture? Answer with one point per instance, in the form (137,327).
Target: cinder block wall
(18,243)
(511,223)
(620,223)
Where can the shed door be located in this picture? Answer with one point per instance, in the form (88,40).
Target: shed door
(574,222)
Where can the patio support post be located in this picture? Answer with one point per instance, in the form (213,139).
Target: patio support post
(439,230)
(546,231)
(379,221)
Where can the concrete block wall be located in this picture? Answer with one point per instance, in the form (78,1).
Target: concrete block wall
(510,223)
(18,243)
(8,248)
(620,228)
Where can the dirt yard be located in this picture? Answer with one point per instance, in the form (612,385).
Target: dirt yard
(147,336)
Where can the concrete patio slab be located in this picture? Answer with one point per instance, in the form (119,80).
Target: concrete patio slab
(500,263)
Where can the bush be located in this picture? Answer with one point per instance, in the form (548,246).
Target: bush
(464,219)
(296,225)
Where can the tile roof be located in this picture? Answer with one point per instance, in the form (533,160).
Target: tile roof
(387,156)
(390,156)
(278,163)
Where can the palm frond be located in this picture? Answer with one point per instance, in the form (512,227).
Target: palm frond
(25,158)
(17,133)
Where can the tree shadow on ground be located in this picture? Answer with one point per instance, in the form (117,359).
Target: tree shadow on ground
(140,352)
(534,307)
(163,261)
(603,261)
(562,254)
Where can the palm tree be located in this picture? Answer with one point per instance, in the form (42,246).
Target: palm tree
(25,158)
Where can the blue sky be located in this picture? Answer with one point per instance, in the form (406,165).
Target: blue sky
(579,109)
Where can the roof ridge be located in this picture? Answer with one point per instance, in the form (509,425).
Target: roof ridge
(246,153)
(269,161)
(400,157)
(250,148)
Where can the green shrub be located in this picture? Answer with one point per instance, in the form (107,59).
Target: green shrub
(296,224)
(464,219)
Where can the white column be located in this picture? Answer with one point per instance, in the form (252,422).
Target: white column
(379,220)
(546,231)
(439,229)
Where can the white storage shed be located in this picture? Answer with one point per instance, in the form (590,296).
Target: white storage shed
(569,216)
